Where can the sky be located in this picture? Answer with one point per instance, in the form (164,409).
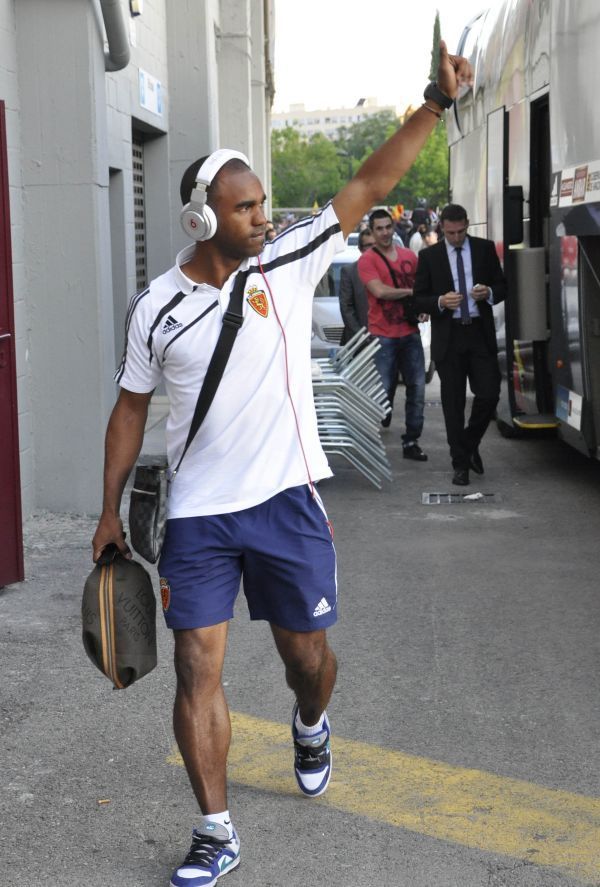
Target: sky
(330,53)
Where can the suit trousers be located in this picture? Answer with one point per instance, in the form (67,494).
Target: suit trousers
(467,359)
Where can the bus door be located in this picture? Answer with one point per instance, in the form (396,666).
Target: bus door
(501,230)
(496,178)
(589,282)
(526,240)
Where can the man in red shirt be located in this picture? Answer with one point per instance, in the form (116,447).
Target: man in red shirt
(388,272)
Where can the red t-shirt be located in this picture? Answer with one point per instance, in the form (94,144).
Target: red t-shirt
(386,316)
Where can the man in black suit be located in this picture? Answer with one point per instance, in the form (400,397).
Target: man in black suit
(354,304)
(458,281)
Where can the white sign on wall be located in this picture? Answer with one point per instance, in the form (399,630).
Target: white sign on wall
(150,93)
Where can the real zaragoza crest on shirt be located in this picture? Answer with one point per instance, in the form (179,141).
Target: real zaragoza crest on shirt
(257,299)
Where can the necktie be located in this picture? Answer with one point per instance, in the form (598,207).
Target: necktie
(465,317)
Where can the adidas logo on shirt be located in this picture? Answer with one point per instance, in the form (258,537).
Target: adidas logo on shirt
(322,608)
(170,325)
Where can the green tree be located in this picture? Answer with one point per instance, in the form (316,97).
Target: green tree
(304,172)
(289,178)
(435,49)
(324,169)
(428,176)
(360,139)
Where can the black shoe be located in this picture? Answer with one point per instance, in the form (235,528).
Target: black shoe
(461,477)
(414,451)
(476,463)
(385,423)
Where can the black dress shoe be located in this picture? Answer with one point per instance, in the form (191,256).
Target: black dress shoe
(386,421)
(461,477)
(476,463)
(414,451)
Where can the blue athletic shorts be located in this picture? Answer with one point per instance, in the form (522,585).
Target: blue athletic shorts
(282,549)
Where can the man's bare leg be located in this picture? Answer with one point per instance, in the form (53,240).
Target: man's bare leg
(310,669)
(201,716)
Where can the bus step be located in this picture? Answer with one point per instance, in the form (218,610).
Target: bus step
(536,422)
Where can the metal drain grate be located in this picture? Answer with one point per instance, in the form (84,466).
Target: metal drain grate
(458,498)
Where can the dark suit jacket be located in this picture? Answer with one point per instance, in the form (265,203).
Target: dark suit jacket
(434,279)
(353,301)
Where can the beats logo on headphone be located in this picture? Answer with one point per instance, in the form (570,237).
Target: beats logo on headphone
(197,218)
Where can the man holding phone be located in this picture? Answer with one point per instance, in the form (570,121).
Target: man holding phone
(458,281)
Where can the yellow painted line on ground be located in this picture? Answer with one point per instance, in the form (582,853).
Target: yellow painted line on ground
(468,807)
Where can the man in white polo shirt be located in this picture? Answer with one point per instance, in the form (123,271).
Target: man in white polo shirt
(243,504)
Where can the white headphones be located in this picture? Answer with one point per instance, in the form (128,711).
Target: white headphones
(197,218)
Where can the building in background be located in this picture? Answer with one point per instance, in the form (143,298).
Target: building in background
(327,121)
(103,104)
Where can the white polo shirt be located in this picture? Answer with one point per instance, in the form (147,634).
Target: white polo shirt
(256,435)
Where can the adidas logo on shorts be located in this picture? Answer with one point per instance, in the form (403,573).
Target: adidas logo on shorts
(322,608)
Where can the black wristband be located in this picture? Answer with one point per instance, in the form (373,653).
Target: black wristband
(433,92)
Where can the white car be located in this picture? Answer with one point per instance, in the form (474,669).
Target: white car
(327,323)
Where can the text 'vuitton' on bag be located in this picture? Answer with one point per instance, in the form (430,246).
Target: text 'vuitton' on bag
(118,615)
(148,509)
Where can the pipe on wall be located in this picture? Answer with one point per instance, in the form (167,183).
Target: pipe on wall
(118,54)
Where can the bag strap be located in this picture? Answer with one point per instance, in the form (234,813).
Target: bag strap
(407,300)
(232,321)
(389,267)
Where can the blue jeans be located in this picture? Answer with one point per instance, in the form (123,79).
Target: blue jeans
(404,355)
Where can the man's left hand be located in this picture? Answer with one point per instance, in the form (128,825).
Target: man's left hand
(480,292)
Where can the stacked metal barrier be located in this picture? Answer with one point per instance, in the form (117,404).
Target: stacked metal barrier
(351,402)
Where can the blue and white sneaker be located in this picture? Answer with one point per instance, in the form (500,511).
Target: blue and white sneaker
(312,763)
(212,854)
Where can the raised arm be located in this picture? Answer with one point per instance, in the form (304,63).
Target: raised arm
(386,166)
(124,438)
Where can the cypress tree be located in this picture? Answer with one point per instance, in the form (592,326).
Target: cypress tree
(435,49)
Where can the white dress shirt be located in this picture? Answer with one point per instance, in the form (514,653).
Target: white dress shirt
(468,266)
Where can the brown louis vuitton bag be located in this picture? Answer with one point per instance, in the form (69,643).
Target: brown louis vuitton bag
(118,613)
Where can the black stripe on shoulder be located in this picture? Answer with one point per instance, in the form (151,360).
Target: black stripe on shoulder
(303,251)
(177,298)
(189,326)
(133,303)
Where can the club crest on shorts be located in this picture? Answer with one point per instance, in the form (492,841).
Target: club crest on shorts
(165,593)
(257,299)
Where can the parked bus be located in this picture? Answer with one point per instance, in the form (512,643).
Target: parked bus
(525,163)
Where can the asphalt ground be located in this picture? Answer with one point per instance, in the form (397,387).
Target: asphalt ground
(465,717)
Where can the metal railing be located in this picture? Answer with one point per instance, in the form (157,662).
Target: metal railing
(351,401)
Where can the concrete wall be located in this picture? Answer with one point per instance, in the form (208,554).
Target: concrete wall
(192,38)
(64,165)
(70,128)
